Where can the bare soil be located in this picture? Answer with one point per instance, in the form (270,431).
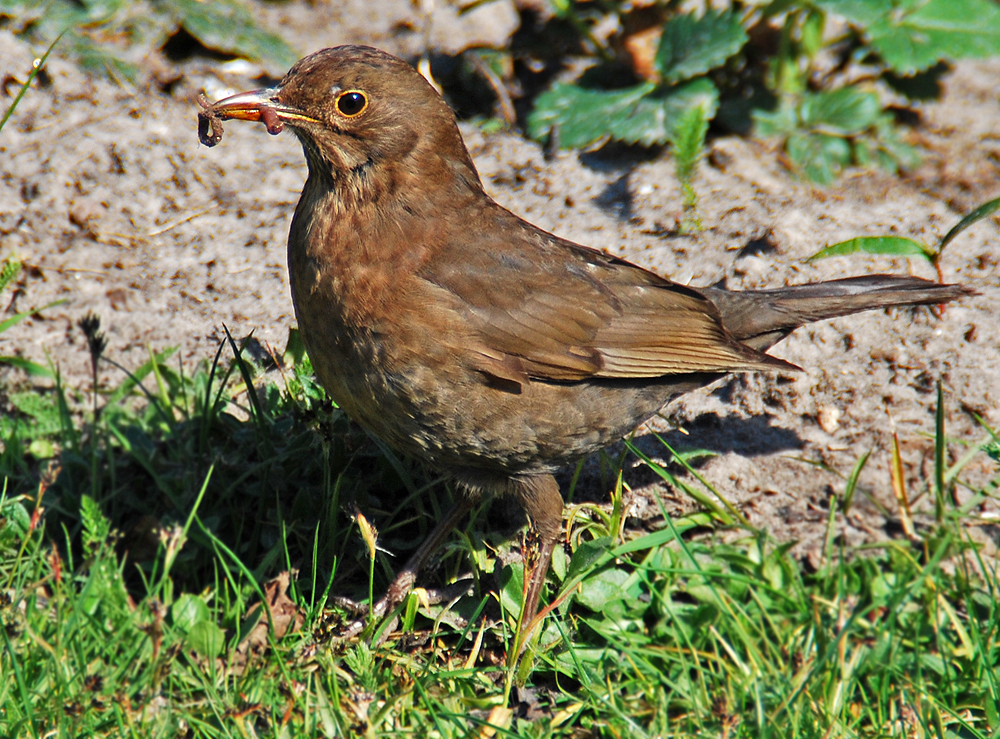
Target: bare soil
(107,195)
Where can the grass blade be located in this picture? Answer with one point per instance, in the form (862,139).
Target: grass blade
(896,246)
(19,679)
(984,210)
(939,451)
(852,481)
(35,69)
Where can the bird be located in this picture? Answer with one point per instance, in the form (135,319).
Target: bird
(462,335)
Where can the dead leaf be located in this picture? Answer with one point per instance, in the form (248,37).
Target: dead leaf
(284,617)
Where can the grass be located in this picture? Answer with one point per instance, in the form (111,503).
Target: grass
(133,563)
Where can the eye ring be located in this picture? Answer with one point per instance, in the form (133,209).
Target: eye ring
(351,103)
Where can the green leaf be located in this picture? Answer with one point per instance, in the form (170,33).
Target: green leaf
(690,46)
(897,246)
(512,588)
(43,409)
(655,119)
(97,58)
(42,449)
(644,114)
(811,41)
(559,563)
(49,19)
(938,30)
(861,12)
(99,11)
(992,714)
(295,349)
(779,122)
(827,131)
(103,591)
(840,112)
(189,610)
(586,555)
(582,116)
(820,156)
(228,26)
(207,639)
(912,36)
(603,589)
(570,662)
(934,663)
(15,522)
(890,144)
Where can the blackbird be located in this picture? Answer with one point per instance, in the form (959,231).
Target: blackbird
(464,336)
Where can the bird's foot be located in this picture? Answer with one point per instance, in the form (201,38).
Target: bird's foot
(394,598)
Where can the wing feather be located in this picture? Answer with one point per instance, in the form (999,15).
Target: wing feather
(570,313)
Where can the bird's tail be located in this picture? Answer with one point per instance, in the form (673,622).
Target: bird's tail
(761,318)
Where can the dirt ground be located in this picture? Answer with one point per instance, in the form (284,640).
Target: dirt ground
(106,193)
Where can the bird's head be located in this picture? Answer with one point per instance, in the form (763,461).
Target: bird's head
(353,108)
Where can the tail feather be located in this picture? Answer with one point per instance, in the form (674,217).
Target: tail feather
(761,318)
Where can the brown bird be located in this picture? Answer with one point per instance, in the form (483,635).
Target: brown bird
(461,334)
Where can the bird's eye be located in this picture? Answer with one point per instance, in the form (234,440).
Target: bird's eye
(352,103)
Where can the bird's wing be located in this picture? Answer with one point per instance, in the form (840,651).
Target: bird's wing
(544,308)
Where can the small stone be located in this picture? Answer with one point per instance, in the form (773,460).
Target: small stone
(828,418)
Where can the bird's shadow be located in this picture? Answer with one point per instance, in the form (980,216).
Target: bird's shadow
(616,199)
(707,436)
(750,437)
(618,157)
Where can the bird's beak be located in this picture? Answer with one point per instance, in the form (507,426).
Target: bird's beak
(255,105)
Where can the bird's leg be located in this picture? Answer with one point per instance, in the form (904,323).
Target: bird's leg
(543,502)
(407,576)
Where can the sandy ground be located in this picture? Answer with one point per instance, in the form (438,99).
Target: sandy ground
(107,195)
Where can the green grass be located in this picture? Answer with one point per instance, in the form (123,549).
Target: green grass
(132,559)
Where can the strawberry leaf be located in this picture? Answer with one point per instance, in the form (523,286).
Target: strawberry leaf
(691,46)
